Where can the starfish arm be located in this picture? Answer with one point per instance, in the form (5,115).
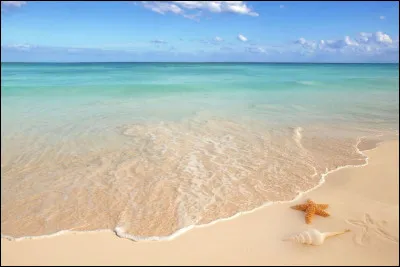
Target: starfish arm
(356,223)
(310,202)
(310,214)
(322,213)
(364,236)
(368,219)
(322,206)
(385,234)
(301,207)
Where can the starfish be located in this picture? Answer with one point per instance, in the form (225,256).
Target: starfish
(311,208)
(370,225)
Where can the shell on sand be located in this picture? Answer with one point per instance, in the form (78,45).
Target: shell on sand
(312,237)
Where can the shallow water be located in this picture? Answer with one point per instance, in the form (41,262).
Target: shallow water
(151,148)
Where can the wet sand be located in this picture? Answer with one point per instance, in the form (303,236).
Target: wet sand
(362,199)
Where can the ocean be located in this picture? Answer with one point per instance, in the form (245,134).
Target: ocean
(148,150)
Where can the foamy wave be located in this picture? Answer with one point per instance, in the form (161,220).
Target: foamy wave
(179,176)
(307,82)
(120,232)
(297,136)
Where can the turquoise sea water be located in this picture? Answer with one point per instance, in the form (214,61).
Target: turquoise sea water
(146,149)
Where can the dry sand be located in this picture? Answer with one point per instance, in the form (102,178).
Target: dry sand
(256,238)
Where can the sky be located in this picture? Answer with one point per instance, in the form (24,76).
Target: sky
(200,31)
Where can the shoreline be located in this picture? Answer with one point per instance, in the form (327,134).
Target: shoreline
(240,234)
(118,232)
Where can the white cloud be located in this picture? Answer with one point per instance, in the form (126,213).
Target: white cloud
(193,16)
(214,41)
(162,7)
(281,6)
(182,7)
(13,3)
(381,37)
(158,41)
(377,42)
(242,38)
(226,48)
(259,50)
(349,42)
(301,41)
(382,17)
(305,43)
(22,47)
(374,38)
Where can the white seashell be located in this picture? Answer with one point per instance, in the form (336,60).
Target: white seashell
(312,237)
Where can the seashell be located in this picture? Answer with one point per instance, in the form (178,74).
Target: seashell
(313,237)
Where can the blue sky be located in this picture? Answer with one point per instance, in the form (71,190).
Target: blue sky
(200,31)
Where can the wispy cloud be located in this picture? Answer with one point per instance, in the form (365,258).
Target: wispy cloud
(306,44)
(158,41)
(162,7)
(257,50)
(377,43)
(13,3)
(195,17)
(185,7)
(378,38)
(225,48)
(282,6)
(382,17)
(363,47)
(21,47)
(214,41)
(242,38)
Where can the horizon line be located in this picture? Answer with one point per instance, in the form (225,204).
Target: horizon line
(201,62)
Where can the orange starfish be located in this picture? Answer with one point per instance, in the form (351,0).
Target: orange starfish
(312,208)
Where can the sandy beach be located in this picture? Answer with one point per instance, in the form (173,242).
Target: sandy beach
(204,133)
(362,199)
